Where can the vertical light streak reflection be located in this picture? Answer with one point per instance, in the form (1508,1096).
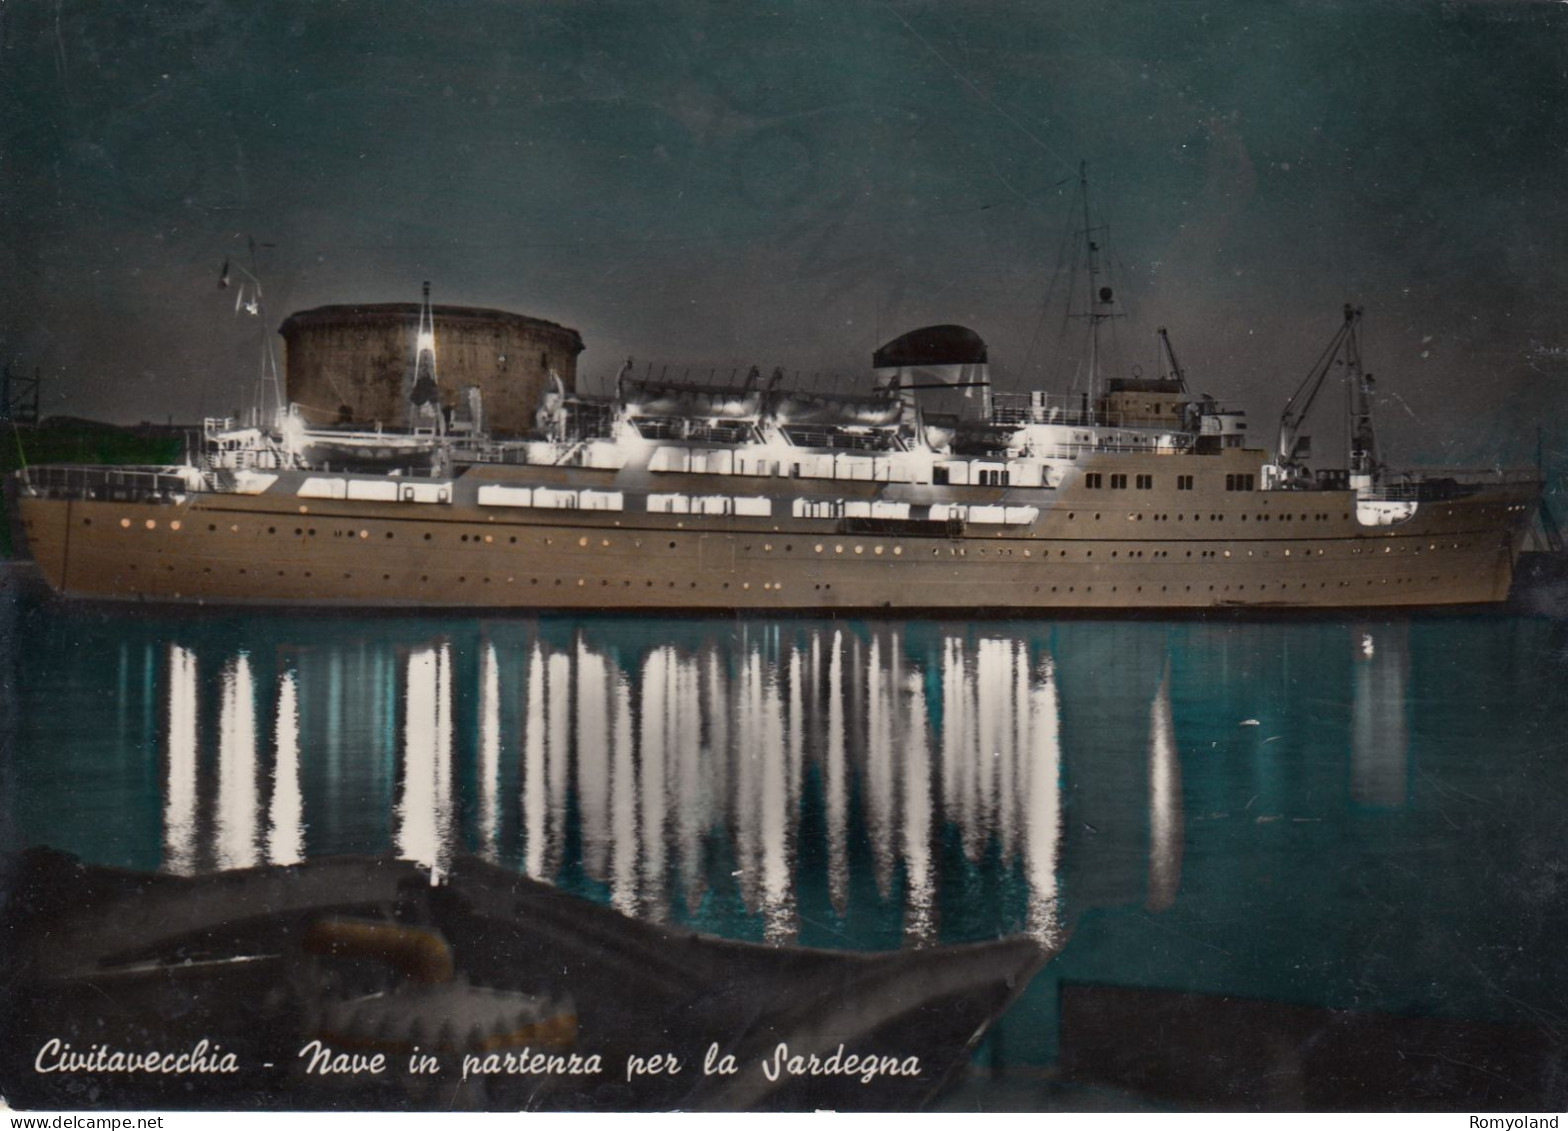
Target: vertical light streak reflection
(489,753)
(286,832)
(237,815)
(796,725)
(424,806)
(593,758)
(960,751)
(557,766)
(745,808)
(992,683)
(623,800)
(878,761)
(919,900)
(658,705)
(778,890)
(179,790)
(837,805)
(1165,805)
(1379,737)
(1043,824)
(1014,772)
(535,736)
(690,795)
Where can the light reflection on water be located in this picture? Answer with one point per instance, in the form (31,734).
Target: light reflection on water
(636,768)
(1302,810)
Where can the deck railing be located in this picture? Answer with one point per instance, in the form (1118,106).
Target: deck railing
(117,484)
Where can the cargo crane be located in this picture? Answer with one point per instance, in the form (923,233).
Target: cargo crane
(1294,448)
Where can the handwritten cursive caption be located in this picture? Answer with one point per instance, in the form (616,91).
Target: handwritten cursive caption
(317,1058)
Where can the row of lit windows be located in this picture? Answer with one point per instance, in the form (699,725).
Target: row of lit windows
(1094,480)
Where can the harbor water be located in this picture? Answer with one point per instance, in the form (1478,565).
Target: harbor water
(1362,815)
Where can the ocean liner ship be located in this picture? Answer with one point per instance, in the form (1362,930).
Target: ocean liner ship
(929,492)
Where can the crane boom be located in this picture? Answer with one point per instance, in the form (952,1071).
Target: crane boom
(1306,393)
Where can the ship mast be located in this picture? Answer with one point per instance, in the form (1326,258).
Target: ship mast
(269,389)
(425,393)
(1358,391)
(1100,298)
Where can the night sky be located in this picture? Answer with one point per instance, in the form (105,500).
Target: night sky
(713,185)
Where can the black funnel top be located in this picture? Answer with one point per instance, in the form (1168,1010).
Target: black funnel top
(932,345)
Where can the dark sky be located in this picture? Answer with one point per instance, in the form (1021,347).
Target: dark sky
(717,184)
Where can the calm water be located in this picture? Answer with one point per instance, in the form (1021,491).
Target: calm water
(1366,814)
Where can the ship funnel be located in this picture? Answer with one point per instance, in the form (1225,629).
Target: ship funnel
(943,368)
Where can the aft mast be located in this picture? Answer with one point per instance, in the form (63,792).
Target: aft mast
(1364,465)
(1101,298)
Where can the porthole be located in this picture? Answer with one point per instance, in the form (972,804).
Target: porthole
(152,524)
